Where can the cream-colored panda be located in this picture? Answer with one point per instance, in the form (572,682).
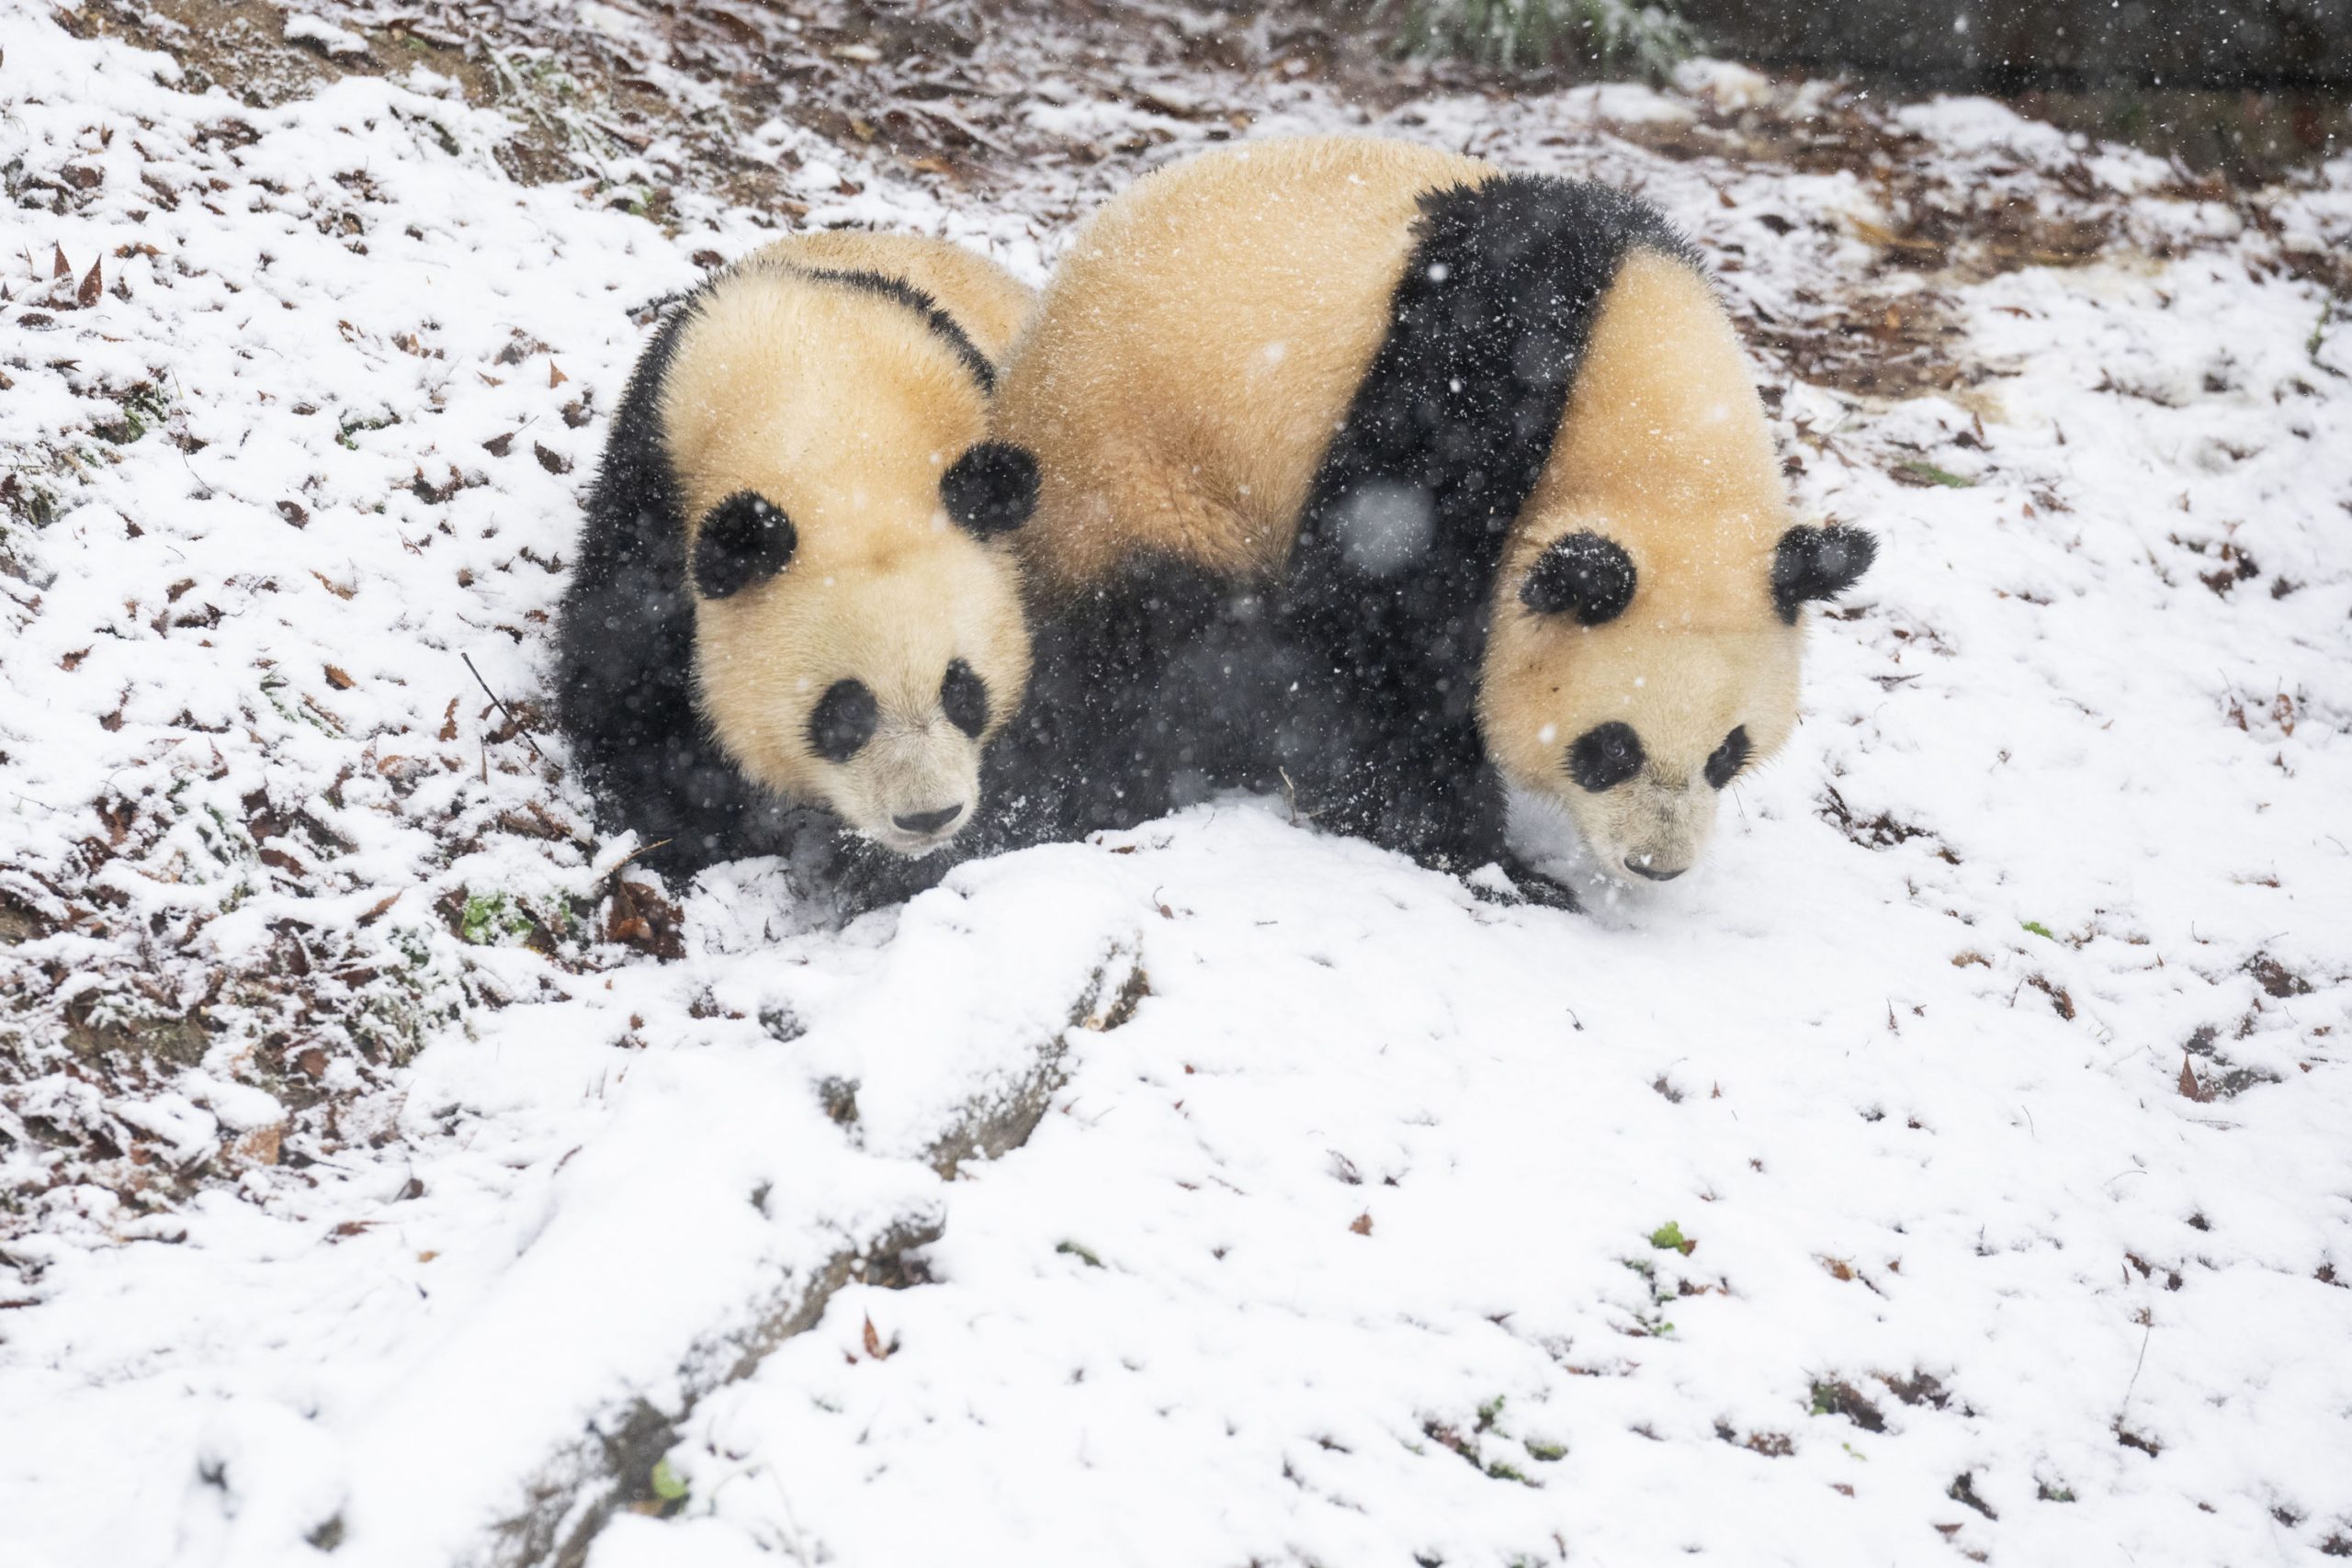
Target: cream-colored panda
(794,599)
(1366,466)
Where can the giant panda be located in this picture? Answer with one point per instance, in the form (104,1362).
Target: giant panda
(1380,476)
(794,607)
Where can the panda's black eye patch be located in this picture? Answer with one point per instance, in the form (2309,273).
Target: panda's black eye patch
(965,696)
(743,539)
(1605,756)
(843,721)
(1729,758)
(1580,574)
(990,488)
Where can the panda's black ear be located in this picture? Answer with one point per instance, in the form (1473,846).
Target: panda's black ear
(990,488)
(1580,574)
(743,539)
(1818,563)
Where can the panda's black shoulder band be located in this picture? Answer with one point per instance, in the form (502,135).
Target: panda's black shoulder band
(744,538)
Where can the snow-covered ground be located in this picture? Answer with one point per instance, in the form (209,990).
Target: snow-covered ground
(1960,1164)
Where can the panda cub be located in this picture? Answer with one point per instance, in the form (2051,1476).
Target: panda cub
(794,604)
(1382,477)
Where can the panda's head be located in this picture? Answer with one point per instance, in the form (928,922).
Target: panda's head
(1633,691)
(865,667)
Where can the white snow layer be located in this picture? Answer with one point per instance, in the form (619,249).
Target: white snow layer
(1842,1204)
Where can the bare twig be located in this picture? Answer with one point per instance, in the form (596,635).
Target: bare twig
(501,706)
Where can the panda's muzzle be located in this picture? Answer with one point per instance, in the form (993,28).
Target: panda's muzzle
(928,822)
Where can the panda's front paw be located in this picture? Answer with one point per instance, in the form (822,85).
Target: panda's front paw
(862,878)
(1494,883)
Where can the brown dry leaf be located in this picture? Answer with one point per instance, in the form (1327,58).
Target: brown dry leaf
(73,661)
(449,721)
(376,910)
(873,1346)
(337,589)
(262,1145)
(641,918)
(556,378)
(338,679)
(92,286)
(61,267)
(1361,1225)
(2189,1087)
(1839,1270)
(552,460)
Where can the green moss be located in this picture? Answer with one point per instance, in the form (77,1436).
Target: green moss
(1670,1236)
(2038,929)
(490,918)
(1921,470)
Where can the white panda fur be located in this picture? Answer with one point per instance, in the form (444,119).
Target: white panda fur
(796,537)
(1351,451)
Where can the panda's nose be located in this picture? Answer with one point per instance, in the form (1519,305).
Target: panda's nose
(928,821)
(1653,873)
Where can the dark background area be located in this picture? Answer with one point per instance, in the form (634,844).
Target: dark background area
(2045,43)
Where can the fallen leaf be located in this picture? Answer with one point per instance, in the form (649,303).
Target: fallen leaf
(556,378)
(338,680)
(1361,1225)
(873,1346)
(2189,1087)
(262,1145)
(61,267)
(92,286)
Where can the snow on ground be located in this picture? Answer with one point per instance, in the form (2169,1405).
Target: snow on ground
(388,1176)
